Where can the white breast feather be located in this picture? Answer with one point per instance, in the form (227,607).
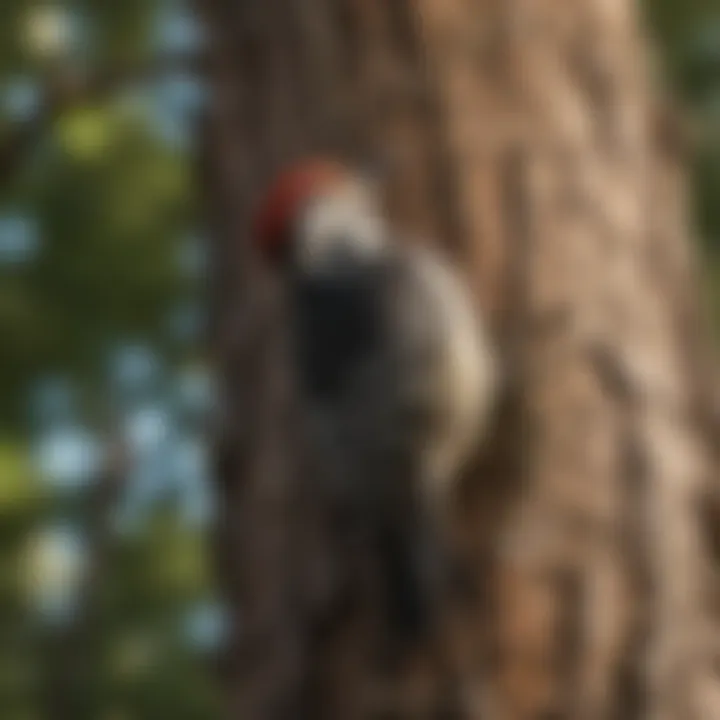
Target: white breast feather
(466,374)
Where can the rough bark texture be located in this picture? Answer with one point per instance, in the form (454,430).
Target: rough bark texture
(525,135)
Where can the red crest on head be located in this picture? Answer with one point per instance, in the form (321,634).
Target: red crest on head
(291,189)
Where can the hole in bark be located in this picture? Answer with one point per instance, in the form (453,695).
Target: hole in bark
(611,373)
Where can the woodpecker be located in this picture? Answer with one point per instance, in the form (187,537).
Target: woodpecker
(395,370)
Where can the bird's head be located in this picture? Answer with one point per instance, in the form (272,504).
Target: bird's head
(319,215)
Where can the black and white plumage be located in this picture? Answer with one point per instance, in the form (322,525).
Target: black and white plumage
(397,380)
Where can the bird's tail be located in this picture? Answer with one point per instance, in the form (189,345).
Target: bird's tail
(411,564)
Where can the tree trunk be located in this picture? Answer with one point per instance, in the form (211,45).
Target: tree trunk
(526,136)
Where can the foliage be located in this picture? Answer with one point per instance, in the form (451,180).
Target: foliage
(93,228)
(690,38)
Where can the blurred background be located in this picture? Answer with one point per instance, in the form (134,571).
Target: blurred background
(107,606)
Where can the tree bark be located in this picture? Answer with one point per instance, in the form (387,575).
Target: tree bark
(525,136)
